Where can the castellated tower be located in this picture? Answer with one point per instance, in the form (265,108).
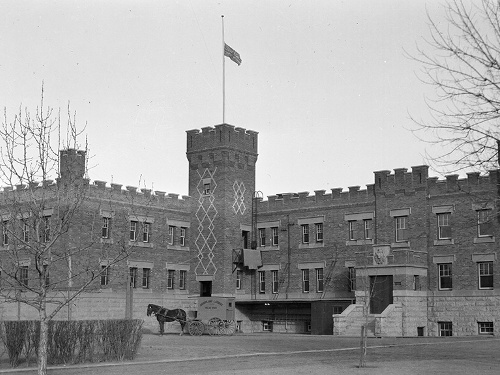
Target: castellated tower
(221,183)
(72,164)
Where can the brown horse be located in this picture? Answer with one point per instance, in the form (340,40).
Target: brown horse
(164,315)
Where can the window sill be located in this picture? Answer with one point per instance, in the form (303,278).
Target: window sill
(442,242)
(486,239)
(311,245)
(400,244)
(177,247)
(107,240)
(140,244)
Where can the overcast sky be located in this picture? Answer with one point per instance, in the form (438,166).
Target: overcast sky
(325,83)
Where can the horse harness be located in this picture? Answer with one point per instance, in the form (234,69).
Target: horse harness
(163,312)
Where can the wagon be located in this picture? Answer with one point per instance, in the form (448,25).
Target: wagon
(215,315)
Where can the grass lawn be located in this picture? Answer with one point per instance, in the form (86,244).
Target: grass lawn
(418,355)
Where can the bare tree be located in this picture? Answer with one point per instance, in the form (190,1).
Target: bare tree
(461,61)
(39,218)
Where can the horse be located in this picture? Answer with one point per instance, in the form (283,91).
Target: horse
(164,315)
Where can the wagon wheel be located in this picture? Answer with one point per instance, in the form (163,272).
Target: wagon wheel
(215,326)
(196,328)
(229,327)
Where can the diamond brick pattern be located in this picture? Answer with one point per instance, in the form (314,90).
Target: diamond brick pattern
(239,195)
(205,214)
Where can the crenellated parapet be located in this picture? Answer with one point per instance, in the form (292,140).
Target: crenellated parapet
(98,190)
(401,181)
(223,142)
(474,182)
(143,196)
(320,198)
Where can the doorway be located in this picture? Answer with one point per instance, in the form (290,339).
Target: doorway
(205,289)
(381,288)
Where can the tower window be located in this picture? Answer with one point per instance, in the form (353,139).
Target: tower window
(206,188)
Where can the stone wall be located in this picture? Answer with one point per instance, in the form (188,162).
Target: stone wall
(464,310)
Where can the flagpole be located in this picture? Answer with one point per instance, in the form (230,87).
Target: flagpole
(223,76)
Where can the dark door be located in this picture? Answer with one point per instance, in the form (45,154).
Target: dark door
(244,235)
(205,289)
(380,292)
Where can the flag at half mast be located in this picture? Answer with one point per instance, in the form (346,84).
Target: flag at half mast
(232,54)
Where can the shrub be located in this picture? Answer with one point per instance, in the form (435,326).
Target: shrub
(32,339)
(63,340)
(120,339)
(73,341)
(14,337)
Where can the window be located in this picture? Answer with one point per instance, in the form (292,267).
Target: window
(171,231)
(445,328)
(416,282)
(484,225)
(5,234)
(182,279)
(444,228)
(238,279)
(305,281)
(262,236)
(274,236)
(46,228)
(26,231)
(445,281)
(262,282)
(105,227)
(305,233)
(352,278)
(351,235)
(133,277)
(368,228)
(133,230)
(275,281)
(319,280)
(104,275)
(485,275)
(170,279)
(206,188)
(267,326)
(401,228)
(182,237)
(319,232)
(23,275)
(485,328)
(146,229)
(146,274)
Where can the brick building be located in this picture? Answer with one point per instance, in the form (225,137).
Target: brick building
(410,254)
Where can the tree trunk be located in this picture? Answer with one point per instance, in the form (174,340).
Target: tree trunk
(43,343)
(362,344)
